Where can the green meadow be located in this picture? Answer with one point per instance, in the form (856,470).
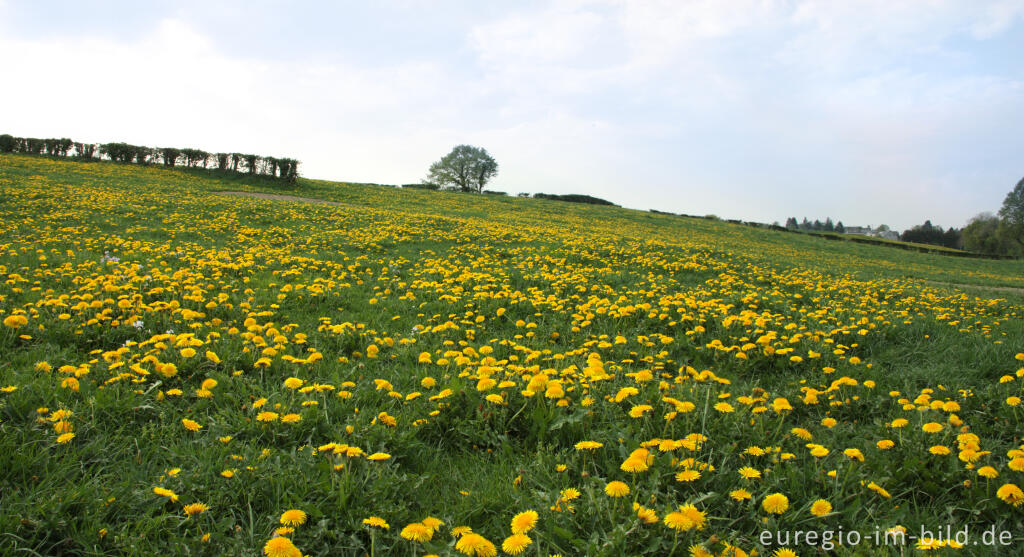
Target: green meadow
(408,372)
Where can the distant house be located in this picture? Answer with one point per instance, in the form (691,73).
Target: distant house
(862,230)
(883,233)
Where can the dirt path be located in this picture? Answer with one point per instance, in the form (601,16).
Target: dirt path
(1010,289)
(279,197)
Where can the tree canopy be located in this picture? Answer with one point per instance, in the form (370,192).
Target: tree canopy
(1012,216)
(465,168)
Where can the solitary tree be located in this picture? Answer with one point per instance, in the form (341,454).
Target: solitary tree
(1011,215)
(466,168)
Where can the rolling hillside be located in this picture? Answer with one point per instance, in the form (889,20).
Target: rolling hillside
(412,372)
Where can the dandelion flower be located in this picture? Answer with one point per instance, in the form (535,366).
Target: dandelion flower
(776,503)
(376,522)
(687,476)
(801,433)
(648,516)
(740,494)
(988,472)
(417,532)
(525,521)
(433,523)
(15,321)
(685,519)
(1011,494)
(616,489)
(191,425)
(281,547)
(570,493)
(196,508)
(166,493)
(821,507)
(879,490)
(515,544)
(634,465)
(293,517)
(749,473)
(475,544)
(65,438)
(724,407)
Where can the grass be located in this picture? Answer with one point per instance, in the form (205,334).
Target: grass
(476,340)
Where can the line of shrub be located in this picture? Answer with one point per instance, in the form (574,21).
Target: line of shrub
(284,168)
(574,198)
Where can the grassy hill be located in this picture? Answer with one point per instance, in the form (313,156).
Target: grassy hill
(181,367)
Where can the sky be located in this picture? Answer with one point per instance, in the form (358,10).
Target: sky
(868,112)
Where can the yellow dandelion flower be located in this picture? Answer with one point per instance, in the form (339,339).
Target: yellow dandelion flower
(749,473)
(293,517)
(433,523)
(776,503)
(475,544)
(1011,494)
(988,472)
(281,547)
(417,532)
(821,507)
(196,508)
(687,476)
(526,520)
(740,494)
(616,489)
(267,416)
(516,544)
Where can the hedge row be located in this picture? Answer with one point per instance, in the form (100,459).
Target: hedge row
(284,168)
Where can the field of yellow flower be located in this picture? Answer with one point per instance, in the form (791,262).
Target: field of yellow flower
(410,372)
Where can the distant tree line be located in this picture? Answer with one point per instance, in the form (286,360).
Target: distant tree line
(284,168)
(1000,234)
(816,226)
(570,197)
(574,198)
(933,235)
